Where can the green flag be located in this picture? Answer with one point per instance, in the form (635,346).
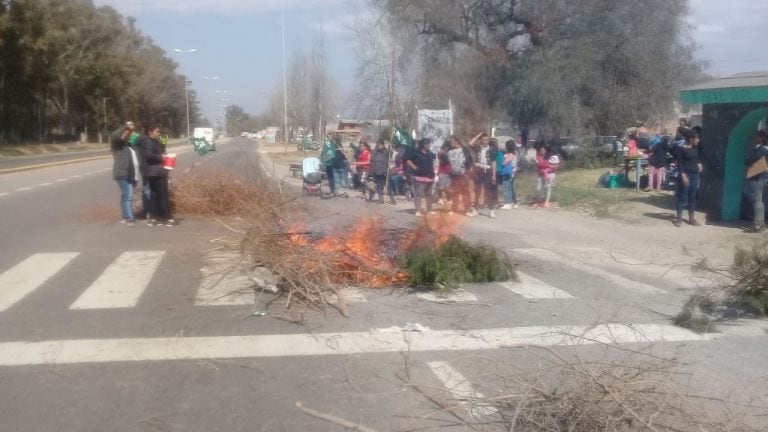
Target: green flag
(133,138)
(329,151)
(401,138)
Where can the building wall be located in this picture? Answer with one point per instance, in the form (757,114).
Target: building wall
(719,120)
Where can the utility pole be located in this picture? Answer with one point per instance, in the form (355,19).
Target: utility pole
(285,84)
(186,93)
(106,128)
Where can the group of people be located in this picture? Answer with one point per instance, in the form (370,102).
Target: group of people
(466,175)
(140,157)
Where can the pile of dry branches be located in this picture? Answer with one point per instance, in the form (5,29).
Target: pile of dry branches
(623,391)
(220,194)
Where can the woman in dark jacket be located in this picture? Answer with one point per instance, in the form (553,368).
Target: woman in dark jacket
(125,171)
(421,164)
(690,166)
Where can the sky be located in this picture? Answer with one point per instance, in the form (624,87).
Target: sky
(239,41)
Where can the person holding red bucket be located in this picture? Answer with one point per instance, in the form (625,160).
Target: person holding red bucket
(155,169)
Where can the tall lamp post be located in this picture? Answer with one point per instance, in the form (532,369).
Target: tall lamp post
(186,83)
(186,94)
(106,128)
(285,82)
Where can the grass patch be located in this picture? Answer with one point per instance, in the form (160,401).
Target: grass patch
(292,156)
(41,149)
(575,189)
(454,263)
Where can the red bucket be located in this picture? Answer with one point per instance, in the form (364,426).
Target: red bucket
(169,161)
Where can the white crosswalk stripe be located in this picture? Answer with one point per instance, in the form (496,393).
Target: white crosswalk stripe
(52,352)
(455,296)
(225,281)
(460,388)
(17,282)
(532,288)
(122,283)
(618,280)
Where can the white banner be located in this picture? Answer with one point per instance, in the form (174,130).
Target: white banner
(435,125)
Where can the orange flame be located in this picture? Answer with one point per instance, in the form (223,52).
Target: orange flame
(359,256)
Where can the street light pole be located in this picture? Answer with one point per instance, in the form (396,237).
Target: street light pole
(285,84)
(106,131)
(186,93)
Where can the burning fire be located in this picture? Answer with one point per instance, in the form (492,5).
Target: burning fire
(367,254)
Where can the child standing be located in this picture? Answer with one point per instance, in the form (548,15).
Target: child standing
(546,163)
(508,173)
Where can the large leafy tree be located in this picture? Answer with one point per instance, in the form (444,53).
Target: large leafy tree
(573,66)
(60,60)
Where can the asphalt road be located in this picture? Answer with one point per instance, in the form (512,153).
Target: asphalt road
(102,327)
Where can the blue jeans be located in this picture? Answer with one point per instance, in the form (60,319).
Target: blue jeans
(508,186)
(686,194)
(145,196)
(126,198)
(756,188)
(394,185)
(341,177)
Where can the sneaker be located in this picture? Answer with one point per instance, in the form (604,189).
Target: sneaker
(472,213)
(432,212)
(678,223)
(506,207)
(756,229)
(152,222)
(547,205)
(514,206)
(418,214)
(130,222)
(170,223)
(491,214)
(694,222)
(122,221)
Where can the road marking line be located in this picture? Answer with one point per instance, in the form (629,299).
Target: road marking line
(88,173)
(291,345)
(122,283)
(532,288)
(664,273)
(61,180)
(45,184)
(25,277)
(455,296)
(2,194)
(619,281)
(24,189)
(76,176)
(187,170)
(460,388)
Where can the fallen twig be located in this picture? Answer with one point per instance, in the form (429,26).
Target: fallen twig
(333,419)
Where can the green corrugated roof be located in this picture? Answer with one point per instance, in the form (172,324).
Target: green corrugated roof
(747,87)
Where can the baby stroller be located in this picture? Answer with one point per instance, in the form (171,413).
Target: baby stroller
(311,175)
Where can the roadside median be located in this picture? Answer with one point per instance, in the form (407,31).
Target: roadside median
(175,144)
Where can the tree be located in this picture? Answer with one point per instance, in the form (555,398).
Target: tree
(574,66)
(59,61)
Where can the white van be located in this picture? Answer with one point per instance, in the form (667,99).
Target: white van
(206,133)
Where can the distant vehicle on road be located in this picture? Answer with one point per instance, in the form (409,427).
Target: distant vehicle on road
(207,134)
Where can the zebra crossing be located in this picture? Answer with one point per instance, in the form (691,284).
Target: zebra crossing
(227,280)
